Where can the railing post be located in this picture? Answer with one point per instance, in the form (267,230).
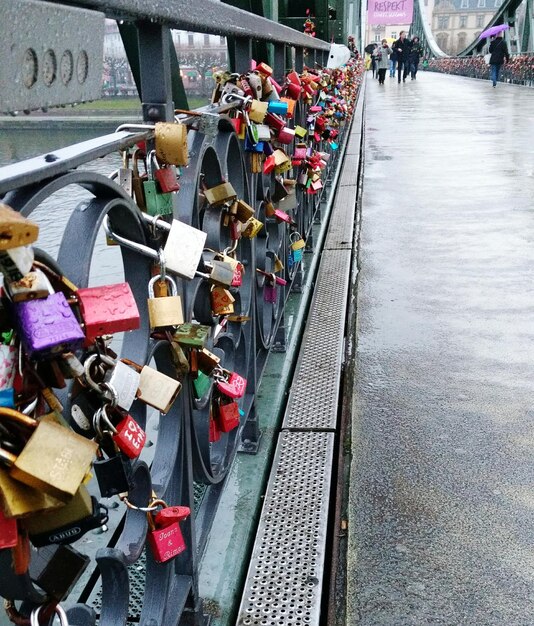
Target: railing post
(240,50)
(299,59)
(279,61)
(155,72)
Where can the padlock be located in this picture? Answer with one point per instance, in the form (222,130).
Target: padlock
(57,568)
(269,164)
(252,228)
(156,389)
(222,273)
(293,90)
(264,69)
(291,104)
(278,265)
(113,473)
(60,520)
(54,459)
(228,416)
(230,384)
(20,500)
(48,326)
(164,311)
(183,249)
(171,514)
(201,385)
(16,231)
(275,122)
(32,286)
(165,176)
(214,431)
(70,365)
(9,533)
(15,263)
(279,192)
(207,361)
(221,301)
(300,151)
(278,108)
(179,358)
(166,542)
(171,143)
(21,554)
(220,194)
(128,436)
(107,310)
(258,111)
(254,80)
(9,355)
(286,136)
(281,216)
(119,384)
(191,335)
(297,246)
(157,203)
(125,174)
(270,293)
(237,280)
(300,132)
(138,179)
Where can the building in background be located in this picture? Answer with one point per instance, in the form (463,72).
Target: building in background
(377,32)
(199,56)
(456,23)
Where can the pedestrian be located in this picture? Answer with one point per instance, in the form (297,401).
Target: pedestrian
(499,55)
(416,52)
(373,62)
(381,54)
(402,48)
(392,63)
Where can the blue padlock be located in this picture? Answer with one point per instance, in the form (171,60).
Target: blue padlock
(279,108)
(253,147)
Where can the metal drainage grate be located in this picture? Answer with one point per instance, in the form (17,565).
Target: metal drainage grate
(341,227)
(349,173)
(313,400)
(284,580)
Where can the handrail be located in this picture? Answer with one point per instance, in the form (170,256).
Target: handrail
(203,16)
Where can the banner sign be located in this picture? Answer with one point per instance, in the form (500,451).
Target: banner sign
(390,11)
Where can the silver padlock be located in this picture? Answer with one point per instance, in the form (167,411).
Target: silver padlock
(32,286)
(183,249)
(254,81)
(16,262)
(120,384)
(222,273)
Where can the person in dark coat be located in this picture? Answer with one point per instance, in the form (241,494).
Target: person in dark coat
(416,51)
(499,55)
(402,49)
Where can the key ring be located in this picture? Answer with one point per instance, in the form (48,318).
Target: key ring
(133,507)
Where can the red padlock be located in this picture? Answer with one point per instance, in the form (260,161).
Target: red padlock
(107,310)
(171,514)
(130,437)
(167,179)
(215,433)
(228,416)
(269,164)
(274,121)
(167,542)
(237,280)
(231,384)
(293,91)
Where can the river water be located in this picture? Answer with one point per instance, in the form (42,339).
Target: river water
(52,215)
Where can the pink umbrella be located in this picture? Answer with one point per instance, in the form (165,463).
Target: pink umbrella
(493,30)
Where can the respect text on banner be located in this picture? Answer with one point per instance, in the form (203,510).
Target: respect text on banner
(390,11)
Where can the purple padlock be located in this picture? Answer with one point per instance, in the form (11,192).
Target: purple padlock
(269,291)
(48,326)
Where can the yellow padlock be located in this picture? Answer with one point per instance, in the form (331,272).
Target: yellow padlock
(171,143)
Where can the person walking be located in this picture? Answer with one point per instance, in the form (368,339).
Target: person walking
(416,51)
(402,48)
(381,54)
(392,63)
(499,55)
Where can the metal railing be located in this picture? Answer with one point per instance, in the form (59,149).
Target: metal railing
(518,71)
(183,467)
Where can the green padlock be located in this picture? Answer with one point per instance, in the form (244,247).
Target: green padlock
(201,385)
(157,203)
(191,335)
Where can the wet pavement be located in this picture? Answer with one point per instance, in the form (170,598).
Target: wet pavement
(442,480)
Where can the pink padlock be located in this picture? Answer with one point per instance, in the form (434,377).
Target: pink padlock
(315,108)
(234,386)
(282,216)
(286,135)
(237,280)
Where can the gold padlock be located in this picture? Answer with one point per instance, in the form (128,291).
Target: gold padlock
(207,361)
(256,162)
(220,194)
(79,507)
(221,301)
(171,143)
(19,500)
(155,389)
(166,310)
(258,111)
(15,230)
(54,459)
(243,211)
(252,228)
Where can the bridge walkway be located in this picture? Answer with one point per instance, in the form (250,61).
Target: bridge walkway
(441,511)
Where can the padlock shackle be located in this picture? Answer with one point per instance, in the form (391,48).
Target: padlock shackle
(127,243)
(18,417)
(128,127)
(167,279)
(59,611)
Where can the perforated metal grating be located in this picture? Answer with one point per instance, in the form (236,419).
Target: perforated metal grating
(349,173)
(313,400)
(285,575)
(354,145)
(341,227)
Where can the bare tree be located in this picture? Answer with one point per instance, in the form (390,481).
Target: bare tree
(117,69)
(202,61)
